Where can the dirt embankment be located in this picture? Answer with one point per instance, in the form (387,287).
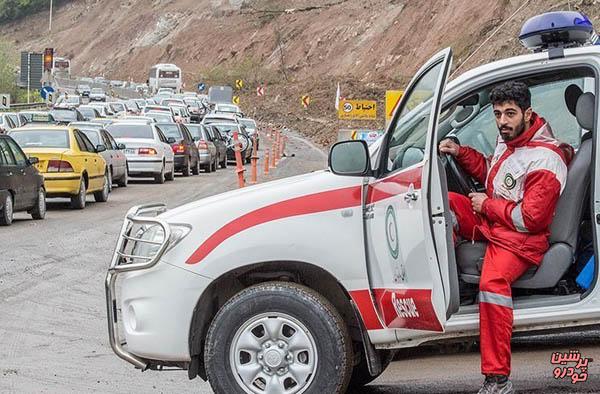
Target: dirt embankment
(292,47)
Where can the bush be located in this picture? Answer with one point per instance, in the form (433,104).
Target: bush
(11,10)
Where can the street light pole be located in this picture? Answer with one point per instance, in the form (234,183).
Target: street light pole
(50,23)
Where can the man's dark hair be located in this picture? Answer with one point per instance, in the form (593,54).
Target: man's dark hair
(517,92)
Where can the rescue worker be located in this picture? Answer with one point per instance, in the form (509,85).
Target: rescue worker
(524,179)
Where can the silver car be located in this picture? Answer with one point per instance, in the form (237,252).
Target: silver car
(113,155)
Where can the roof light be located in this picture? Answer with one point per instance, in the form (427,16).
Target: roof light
(556,29)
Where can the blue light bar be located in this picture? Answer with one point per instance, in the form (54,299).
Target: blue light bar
(556,29)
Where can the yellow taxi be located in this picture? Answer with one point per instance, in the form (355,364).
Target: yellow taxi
(68,160)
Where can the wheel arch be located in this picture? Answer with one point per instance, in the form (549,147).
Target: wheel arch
(230,283)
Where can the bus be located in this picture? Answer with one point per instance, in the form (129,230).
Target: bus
(61,67)
(164,76)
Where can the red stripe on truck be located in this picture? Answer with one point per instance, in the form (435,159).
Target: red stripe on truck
(304,205)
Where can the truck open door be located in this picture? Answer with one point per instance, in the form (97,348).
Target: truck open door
(405,233)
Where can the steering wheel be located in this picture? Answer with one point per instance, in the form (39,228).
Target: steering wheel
(464,180)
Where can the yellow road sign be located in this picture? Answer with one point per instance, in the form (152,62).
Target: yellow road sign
(239,83)
(357,109)
(236,100)
(392,98)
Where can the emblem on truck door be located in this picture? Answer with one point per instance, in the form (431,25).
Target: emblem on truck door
(393,243)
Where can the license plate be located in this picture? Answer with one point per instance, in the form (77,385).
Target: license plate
(130,151)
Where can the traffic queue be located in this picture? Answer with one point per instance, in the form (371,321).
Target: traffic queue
(88,143)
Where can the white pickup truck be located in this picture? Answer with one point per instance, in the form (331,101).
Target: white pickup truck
(307,284)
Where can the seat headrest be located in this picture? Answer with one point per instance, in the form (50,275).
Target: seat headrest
(584,111)
(572,93)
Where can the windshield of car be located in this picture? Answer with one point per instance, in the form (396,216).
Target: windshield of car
(227,108)
(192,102)
(97,90)
(226,128)
(117,107)
(64,115)
(156,108)
(197,131)
(92,135)
(170,130)
(130,131)
(160,117)
(87,112)
(40,138)
(250,124)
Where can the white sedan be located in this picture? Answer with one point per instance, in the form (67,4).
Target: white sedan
(148,151)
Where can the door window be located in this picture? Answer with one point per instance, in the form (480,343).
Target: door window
(20,158)
(406,144)
(6,153)
(80,142)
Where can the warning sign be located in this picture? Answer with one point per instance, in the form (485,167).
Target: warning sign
(239,84)
(236,100)
(357,109)
(392,98)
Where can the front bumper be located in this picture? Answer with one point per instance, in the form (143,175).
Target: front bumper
(157,300)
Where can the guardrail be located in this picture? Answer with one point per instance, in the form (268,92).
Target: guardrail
(21,106)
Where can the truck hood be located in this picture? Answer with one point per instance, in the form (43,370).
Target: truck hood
(235,203)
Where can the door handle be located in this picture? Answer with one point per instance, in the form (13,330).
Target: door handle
(410,197)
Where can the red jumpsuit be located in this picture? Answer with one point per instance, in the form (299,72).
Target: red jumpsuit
(523,179)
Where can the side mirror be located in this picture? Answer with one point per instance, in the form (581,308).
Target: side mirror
(350,158)
(121,146)
(33,160)
(100,148)
(171,140)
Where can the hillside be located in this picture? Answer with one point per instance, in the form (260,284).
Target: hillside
(293,47)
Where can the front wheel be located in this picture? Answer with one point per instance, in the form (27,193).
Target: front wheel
(6,215)
(278,337)
(39,211)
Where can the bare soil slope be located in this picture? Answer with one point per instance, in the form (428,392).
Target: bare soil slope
(292,47)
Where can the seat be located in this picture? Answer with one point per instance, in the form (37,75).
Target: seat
(564,230)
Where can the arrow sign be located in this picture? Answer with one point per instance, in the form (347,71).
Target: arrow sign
(260,91)
(201,86)
(239,84)
(305,101)
(236,100)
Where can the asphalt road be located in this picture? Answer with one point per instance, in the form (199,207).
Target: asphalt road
(53,320)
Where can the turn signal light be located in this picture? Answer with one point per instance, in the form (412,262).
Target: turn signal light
(147,151)
(59,166)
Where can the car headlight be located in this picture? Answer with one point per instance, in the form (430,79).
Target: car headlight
(155,236)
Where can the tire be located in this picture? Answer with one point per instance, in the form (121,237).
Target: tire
(78,200)
(322,361)
(361,375)
(124,181)
(6,216)
(196,168)
(110,182)
(208,168)
(214,165)
(102,195)
(171,175)
(187,169)
(160,177)
(224,162)
(39,211)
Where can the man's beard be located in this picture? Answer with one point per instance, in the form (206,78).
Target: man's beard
(520,130)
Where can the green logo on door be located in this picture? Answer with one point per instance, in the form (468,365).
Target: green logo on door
(391,232)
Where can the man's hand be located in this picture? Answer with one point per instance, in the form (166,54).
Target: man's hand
(450,147)
(477,200)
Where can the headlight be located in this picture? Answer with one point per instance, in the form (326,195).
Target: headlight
(155,236)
